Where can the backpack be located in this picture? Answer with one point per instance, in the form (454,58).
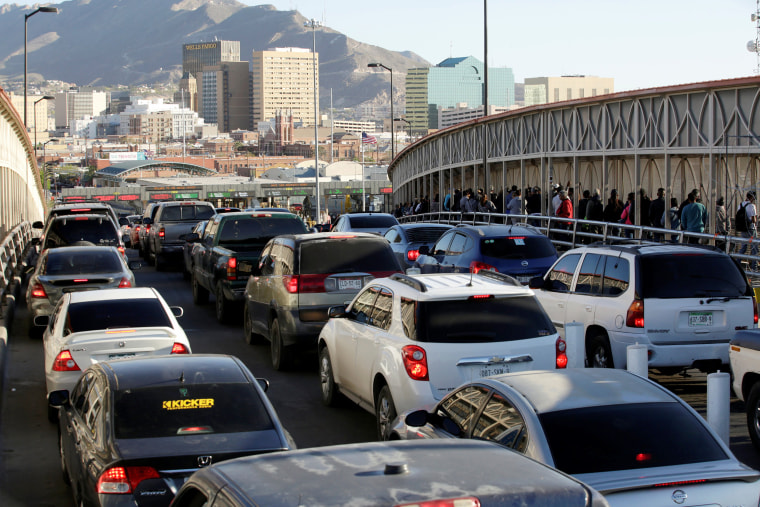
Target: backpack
(740,220)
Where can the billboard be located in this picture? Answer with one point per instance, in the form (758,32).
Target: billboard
(123,156)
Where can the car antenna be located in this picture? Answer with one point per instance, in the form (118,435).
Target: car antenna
(182,376)
(472,271)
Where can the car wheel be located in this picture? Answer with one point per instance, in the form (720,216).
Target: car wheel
(250,337)
(598,352)
(385,412)
(35,332)
(200,294)
(753,415)
(222,305)
(52,413)
(280,353)
(158,262)
(61,452)
(330,393)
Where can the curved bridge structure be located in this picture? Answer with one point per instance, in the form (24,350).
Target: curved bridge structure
(119,172)
(702,135)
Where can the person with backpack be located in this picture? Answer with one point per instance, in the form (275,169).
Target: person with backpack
(746,224)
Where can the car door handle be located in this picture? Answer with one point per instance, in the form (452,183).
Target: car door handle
(589,308)
(561,305)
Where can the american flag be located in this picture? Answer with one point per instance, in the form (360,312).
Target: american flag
(368,139)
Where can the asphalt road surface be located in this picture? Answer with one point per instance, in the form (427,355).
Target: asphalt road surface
(29,466)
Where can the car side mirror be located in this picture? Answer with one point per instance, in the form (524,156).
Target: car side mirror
(35,241)
(417,418)
(42,320)
(177,311)
(123,221)
(38,225)
(537,282)
(424,250)
(147,221)
(192,237)
(337,312)
(263,383)
(59,398)
(135,265)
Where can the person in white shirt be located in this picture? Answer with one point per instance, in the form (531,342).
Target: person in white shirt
(749,229)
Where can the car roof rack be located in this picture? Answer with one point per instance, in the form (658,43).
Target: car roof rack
(499,277)
(634,246)
(408,280)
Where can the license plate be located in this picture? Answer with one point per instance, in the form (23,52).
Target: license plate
(524,279)
(121,356)
(349,283)
(700,319)
(244,268)
(487,371)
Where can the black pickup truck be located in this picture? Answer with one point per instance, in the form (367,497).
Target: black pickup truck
(225,257)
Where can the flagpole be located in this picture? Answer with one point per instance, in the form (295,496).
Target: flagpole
(363,200)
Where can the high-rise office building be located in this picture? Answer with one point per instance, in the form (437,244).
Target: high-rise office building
(283,79)
(198,55)
(76,103)
(226,98)
(545,90)
(453,81)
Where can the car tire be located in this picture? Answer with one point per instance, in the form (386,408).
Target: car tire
(598,351)
(753,415)
(251,338)
(330,393)
(35,332)
(158,262)
(280,354)
(62,454)
(221,305)
(385,412)
(200,294)
(52,414)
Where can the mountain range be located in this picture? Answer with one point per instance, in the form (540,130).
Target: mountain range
(131,42)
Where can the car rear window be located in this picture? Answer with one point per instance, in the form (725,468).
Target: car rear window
(258,230)
(517,247)
(126,313)
(481,320)
(81,231)
(368,222)
(424,234)
(624,437)
(690,275)
(104,260)
(347,255)
(187,212)
(191,409)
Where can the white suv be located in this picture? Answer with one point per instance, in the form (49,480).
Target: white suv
(405,341)
(684,302)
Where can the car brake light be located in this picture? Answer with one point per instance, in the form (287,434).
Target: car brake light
(81,280)
(81,210)
(561,353)
(137,228)
(178,348)
(679,483)
(754,308)
(65,362)
(291,283)
(124,283)
(122,250)
(147,228)
(469,501)
(481,296)
(644,456)
(161,233)
(81,218)
(312,283)
(415,362)
(122,480)
(232,268)
(413,255)
(38,291)
(476,266)
(635,316)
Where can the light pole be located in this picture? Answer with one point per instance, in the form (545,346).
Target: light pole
(314,24)
(410,127)
(44,97)
(26,17)
(44,162)
(393,140)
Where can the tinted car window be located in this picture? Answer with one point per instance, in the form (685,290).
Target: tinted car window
(188,410)
(500,422)
(687,276)
(590,275)
(624,437)
(562,273)
(187,212)
(517,247)
(442,244)
(462,406)
(62,263)
(616,275)
(383,313)
(482,320)
(258,230)
(365,222)
(86,316)
(458,245)
(362,307)
(346,256)
(409,317)
(67,232)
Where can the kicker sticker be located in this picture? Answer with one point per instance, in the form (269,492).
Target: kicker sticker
(187,404)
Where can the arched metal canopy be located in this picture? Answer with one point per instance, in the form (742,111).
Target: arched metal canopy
(122,169)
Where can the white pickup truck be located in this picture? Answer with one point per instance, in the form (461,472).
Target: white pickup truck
(744,354)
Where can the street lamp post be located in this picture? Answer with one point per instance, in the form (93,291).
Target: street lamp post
(314,24)
(26,18)
(44,97)
(393,140)
(44,163)
(410,127)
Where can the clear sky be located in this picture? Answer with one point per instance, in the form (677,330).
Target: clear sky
(641,43)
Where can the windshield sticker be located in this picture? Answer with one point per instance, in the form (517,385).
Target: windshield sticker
(186,404)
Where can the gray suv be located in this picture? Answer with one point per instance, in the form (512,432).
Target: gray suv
(299,277)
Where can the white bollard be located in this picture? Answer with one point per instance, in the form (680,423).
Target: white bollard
(638,360)
(719,403)
(576,347)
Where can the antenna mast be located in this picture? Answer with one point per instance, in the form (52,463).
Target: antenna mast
(753,46)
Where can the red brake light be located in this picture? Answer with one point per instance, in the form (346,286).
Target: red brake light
(178,348)
(469,501)
(643,456)
(311,283)
(679,483)
(81,210)
(137,228)
(81,218)
(513,238)
(122,250)
(415,362)
(81,280)
(147,228)
(291,283)
(481,296)
(232,268)
(413,255)
(560,353)
(476,266)
(754,307)
(125,283)
(635,316)
(122,480)
(65,362)
(161,233)
(38,291)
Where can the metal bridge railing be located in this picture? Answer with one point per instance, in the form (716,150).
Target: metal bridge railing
(12,250)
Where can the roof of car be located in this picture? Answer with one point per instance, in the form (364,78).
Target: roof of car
(182,369)
(312,236)
(396,472)
(71,250)
(82,216)
(113,294)
(419,225)
(458,285)
(555,390)
(651,248)
(254,214)
(500,230)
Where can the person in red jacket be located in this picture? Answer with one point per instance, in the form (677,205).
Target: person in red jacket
(565,209)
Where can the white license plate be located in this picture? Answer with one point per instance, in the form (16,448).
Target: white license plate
(349,283)
(487,371)
(700,319)
(524,279)
(121,356)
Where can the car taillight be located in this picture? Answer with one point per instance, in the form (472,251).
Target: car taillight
(754,307)
(178,348)
(161,233)
(65,362)
(291,283)
(311,283)
(124,283)
(38,291)
(122,250)
(413,255)
(560,348)
(469,501)
(123,480)
(415,362)
(137,228)
(147,228)
(232,268)
(476,266)
(635,316)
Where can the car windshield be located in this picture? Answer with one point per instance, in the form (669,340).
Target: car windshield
(258,230)
(623,437)
(517,247)
(190,409)
(81,230)
(480,320)
(118,313)
(675,276)
(96,261)
(187,212)
(346,256)
(372,221)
